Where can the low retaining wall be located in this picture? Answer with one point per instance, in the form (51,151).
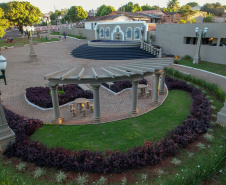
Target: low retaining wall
(89,34)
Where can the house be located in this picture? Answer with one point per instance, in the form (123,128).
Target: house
(139,16)
(158,13)
(91,22)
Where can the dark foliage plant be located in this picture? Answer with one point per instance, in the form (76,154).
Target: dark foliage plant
(120,85)
(149,153)
(41,95)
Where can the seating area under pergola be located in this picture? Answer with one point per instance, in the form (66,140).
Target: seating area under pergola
(95,76)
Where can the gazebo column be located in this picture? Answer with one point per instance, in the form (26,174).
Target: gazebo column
(56,109)
(96,99)
(156,94)
(162,82)
(134,97)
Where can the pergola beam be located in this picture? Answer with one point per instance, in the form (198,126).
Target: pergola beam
(121,71)
(54,74)
(81,74)
(95,74)
(112,75)
(141,72)
(67,74)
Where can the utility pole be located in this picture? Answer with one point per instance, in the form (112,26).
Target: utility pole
(55,15)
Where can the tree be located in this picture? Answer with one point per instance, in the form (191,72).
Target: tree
(23,14)
(100,9)
(173,5)
(208,18)
(192,4)
(106,10)
(146,7)
(214,8)
(76,13)
(53,16)
(4,23)
(186,11)
(130,7)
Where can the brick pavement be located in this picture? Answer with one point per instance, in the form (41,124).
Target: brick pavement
(53,57)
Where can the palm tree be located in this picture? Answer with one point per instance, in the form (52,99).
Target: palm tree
(173,5)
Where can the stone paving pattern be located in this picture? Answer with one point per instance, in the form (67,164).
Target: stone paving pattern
(52,57)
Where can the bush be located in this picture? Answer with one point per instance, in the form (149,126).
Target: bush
(41,95)
(187,57)
(214,88)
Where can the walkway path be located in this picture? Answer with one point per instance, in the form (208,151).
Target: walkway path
(53,57)
(221,81)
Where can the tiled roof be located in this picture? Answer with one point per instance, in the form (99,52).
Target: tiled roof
(102,18)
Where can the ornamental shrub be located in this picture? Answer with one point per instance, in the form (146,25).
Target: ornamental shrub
(41,95)
(149,153)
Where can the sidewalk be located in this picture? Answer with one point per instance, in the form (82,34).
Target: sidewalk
(221,81)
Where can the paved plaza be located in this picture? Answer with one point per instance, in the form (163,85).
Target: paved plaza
(52,57)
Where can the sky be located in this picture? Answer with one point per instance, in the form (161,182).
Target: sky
(48,5)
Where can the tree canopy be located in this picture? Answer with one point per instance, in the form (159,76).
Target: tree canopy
(213,8)
(4,23)
(192,4)
(76,13)
(130,7)
(148,7)
(105,10)
(186,11)
(173,5)
(22,14)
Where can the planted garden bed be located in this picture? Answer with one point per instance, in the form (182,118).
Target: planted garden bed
(149,153)
(121,85)
(41,96)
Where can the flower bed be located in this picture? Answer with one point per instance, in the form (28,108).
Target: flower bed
(121,85)
(111,161)
(41,95)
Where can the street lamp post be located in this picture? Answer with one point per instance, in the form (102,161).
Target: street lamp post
(199,34)
(29,30)
(6,134)
(48,36)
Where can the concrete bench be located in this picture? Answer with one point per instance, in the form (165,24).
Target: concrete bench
(110,84)
(84,87)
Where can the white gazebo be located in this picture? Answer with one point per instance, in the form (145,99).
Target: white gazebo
(133,71)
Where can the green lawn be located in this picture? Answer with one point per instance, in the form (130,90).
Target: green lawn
(120,135)
(25,41)
(75,36)
(207,66)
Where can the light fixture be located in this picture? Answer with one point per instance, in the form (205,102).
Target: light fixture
(197,31)
(142,30)
(205,31)
(3,65)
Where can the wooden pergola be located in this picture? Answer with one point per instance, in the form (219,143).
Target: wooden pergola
(133,71)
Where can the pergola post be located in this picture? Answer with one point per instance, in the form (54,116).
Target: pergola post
(6,134)
(156,93)
(134,97)
(96,99)
(56,109)
(162,82)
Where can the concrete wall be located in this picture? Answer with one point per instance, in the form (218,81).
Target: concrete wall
(120,28)
(171,37)
(89,34)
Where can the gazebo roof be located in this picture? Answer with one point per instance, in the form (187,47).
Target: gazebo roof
(132,70)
